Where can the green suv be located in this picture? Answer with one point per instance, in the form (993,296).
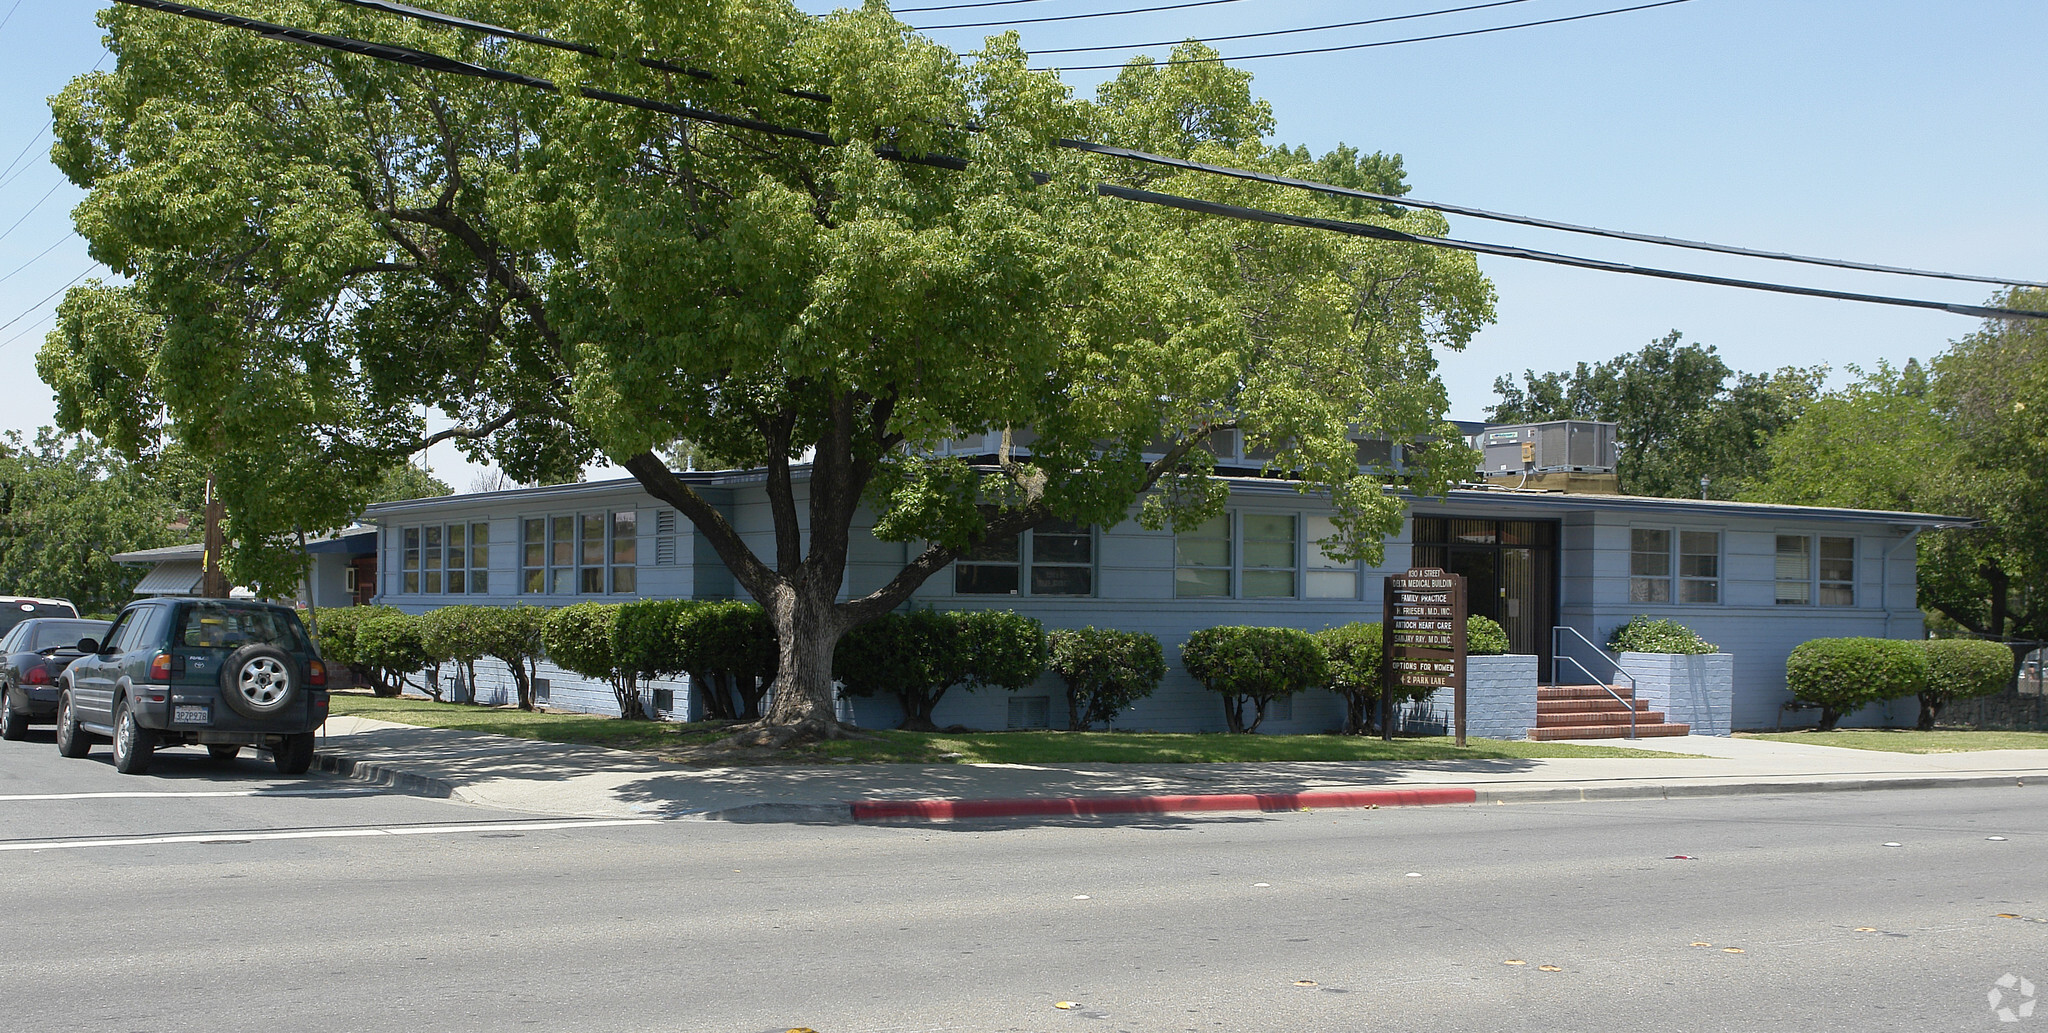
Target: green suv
(218,673)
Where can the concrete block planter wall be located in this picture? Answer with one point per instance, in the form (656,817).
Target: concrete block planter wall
(1500,701)
(1697,690)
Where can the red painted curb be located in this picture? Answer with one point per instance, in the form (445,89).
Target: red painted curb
(875,810)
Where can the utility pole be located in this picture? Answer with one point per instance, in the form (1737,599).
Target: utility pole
(213,582)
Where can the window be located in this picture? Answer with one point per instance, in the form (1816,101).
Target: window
(1328,577)
(1269,561)
(588,554)
(1666,566)
(452,558)
(1030,712)
(1801,581)
(1201,559)
(1060,557)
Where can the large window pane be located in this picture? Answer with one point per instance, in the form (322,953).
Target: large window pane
(1269,584)
(593,542)
(985,579)
(1190,582)
(1202,559)
(1795,570)
(563,540)
(1059,580)
(1838,571)
(625,537)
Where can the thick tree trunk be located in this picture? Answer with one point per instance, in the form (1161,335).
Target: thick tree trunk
(808,627)
(1930,708)
(1828,717)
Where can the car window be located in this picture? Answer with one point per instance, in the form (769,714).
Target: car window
(7,642)
(209,626)
(40,635)
(122,626)
(16,611)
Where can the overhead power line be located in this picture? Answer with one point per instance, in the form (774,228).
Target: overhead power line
(1380,43)
(1074,17)
(31,210)
(983,3)
(436,62)
(38,258)
(38,306)
(1282,32)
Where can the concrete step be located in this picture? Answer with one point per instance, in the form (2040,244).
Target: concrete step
(1544,692)
(1617,718)
(1590,706)
(1620,731)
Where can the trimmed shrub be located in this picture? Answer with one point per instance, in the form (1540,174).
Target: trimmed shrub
(918,656)
(913,656)
(583,638)
(1354,654)
(1961,668)
(1841,674)
(730,651)
(391,642)
(515,637)
(1485,637)
(1252,667)
(462,634)
(337,640)
(1105,670)
(1643,635)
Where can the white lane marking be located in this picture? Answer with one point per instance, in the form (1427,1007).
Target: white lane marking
(195,794)
(250,837)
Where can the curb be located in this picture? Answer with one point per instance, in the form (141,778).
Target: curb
(382,775)
(941,810)
(1597,794)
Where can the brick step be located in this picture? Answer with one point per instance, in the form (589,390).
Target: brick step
(1590,706)
(1643,731)
(1544,692)
(1618,718)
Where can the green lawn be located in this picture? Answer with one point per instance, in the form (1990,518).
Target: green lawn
(1906,740)
(697,743)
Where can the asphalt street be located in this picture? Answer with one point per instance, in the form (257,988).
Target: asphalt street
(225,898)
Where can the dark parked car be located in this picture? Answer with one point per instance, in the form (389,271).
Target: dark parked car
(17,608)
(218,673)
(32,654)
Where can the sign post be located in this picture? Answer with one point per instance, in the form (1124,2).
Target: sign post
(1424,640)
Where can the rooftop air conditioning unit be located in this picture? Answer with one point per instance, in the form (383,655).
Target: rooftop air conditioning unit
(1560,446)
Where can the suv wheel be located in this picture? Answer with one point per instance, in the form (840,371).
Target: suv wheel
(134,745)
(259,681)
(71,739)
(13,723)
(293,753)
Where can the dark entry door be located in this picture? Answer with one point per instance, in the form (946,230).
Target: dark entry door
(1510,567)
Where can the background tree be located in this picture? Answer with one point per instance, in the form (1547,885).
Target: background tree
(1682,414)
(67,506)
(321,244)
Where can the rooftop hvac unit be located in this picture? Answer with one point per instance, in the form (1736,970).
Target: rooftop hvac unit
(1575,446)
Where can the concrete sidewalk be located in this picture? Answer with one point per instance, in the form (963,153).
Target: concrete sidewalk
(552,778)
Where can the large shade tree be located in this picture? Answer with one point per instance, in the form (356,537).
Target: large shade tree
(321,244)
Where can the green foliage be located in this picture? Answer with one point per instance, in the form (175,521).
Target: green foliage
(338,637)
(1105,670)
(567,278)
(463,634)
(1680,418)
(727,648)
(583,638)
(406,481)
(1842,674)
(1961,668)
(1485,637)
(1644,635)
(1355,654)
(392,644)
(516,636)
(67,506)
(1250,666)
(1001,649)
(913,656)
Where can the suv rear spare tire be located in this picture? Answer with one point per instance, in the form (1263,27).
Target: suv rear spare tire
(258,681)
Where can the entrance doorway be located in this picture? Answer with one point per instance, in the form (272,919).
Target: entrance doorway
(1510,571)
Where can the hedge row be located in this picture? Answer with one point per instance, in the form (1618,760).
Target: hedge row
(1841,674)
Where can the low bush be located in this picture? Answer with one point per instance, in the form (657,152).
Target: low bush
(1643,635)
(392,643)
(1252,667)
(584,638)
(1485,637)
(1105,670)
(515,636)
(461,634)
(1353,655)
(731,654)
(1841,674)
(918,656)
(336,636)
(1961,668)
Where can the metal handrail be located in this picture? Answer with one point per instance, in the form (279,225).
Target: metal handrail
(1557,654)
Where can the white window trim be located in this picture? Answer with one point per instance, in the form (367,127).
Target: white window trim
(1814,584)
(1675,555)
(1306,552)
(575,567)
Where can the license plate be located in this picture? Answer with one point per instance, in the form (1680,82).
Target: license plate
(191,715)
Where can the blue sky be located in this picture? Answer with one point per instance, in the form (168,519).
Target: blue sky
(1903,133)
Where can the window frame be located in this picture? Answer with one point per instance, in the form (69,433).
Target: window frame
(1814,585)
(1309,560)
(1027,562)
(1674,579)
(570,559)
(419,543)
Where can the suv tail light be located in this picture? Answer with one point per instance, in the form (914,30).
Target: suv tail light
(160,667)
(316,673)
(37,675)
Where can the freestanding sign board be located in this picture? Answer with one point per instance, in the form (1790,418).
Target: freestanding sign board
(1424,644)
